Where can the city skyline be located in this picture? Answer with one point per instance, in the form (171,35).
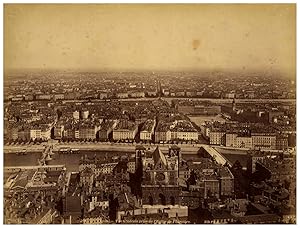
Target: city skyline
(149,114)
(151,37)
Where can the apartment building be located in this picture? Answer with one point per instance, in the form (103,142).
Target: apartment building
(147,130)
(217,137)
(125,130)
(263,141)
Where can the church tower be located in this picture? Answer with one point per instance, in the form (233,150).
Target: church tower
(140,152)
(176,151)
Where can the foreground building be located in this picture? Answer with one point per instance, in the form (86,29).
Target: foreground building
(160,186)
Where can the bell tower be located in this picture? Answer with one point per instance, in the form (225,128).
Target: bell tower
(176,151)
(140,152)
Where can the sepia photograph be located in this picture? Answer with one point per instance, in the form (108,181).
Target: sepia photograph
(149,113)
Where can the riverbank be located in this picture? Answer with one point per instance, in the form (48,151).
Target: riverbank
(100,147)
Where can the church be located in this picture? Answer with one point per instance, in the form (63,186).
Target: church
(159,182)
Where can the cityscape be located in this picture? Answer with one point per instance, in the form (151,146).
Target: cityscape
(205,146)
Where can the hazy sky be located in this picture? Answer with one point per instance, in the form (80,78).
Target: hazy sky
(167,37)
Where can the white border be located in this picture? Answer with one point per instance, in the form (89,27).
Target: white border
(151,2)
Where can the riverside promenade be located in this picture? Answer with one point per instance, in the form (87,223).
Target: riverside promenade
(100,147)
